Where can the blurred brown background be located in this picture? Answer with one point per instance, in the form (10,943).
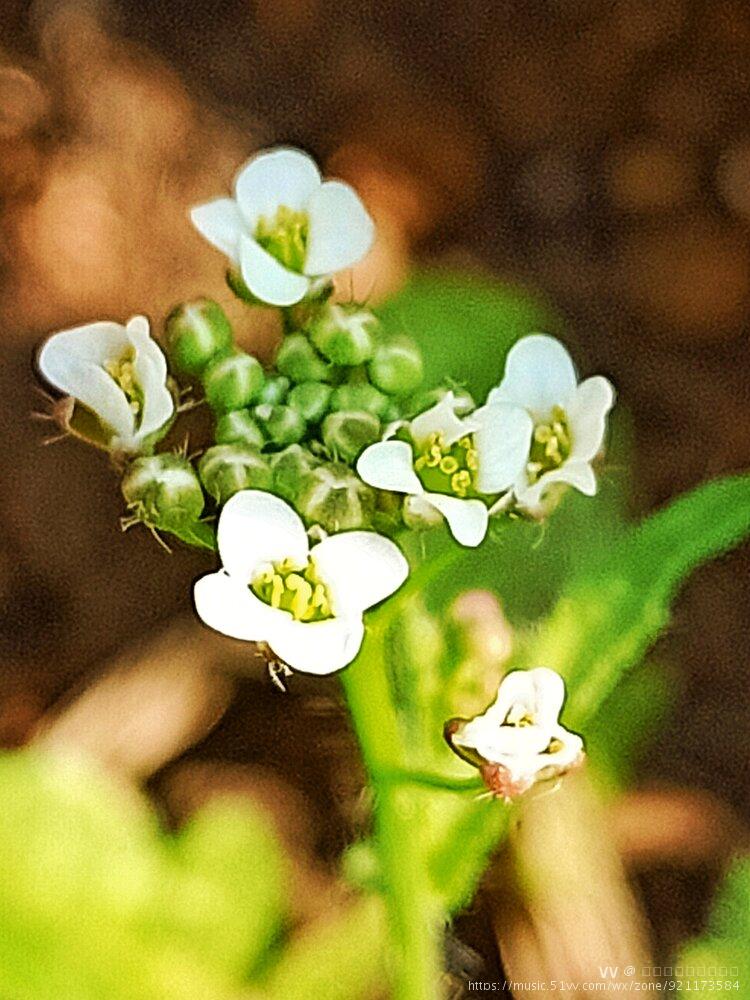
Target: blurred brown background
(596,151)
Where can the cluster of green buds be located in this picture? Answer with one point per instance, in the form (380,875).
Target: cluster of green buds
(296,428)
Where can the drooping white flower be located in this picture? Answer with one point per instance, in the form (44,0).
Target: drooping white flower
(118,373)
(519,740)
(285,226)
(306,603)
(452,465)
(569,418)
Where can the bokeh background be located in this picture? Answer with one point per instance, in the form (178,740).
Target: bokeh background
(591,155)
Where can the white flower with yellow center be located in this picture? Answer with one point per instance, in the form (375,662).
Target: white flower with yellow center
(452,466)
(519,741)
(569,418)
(306,603)
(285,227)
(118,373)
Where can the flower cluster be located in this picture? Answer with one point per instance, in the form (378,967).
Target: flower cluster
(318,462)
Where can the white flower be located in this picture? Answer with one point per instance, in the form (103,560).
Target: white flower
(306,603)
(569,418)
(117,372)
(519,740)
(451,462)
(286,226)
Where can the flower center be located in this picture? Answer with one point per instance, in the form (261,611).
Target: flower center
(550,446)
(284,236)
(519,715)
(448,469)
(123,372)
(294,589)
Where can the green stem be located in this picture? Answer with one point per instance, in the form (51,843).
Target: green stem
(412,910)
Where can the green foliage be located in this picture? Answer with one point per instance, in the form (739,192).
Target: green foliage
(617,603)
(96,901)
(726,943)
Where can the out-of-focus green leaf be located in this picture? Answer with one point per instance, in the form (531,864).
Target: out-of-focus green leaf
(96,901)
(465,325)
(614,607)
(723,953)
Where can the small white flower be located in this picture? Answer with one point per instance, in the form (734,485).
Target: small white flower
(569,418)
(452,463)
(519,740)
(118,373)
(285,226)
(306,603)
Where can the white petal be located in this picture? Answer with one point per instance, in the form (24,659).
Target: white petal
(72,362)
(230,607)
(151,373)
(389,465)
(549,695)
(256,528)
(318,647)
(420,513)
(272,179)
(220,222)
(587,416)
(517,690)
(360,568)
(577,474)
(495,742)
(539,374)
(441,419)
(267,279)
(340,230)
(467,519)
(503,440)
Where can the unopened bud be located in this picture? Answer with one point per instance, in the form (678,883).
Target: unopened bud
(282,425)
(396,366)
(239,427)
(336,499)
(348,432)
(311,399)
(197,333)
(163,490)
(360,397)
(226,469)
(344,333)
(275,390)
(290,469)
(233,382)
(299,361)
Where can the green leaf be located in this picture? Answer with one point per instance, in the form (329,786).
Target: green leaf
(616,605)
(726,944)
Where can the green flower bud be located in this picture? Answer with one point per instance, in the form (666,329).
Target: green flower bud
(396,366)
(299,361)
(290,469)
(311,399)
(348,432)
(226,469)
(392,412)
(336,499)
(282,424)
(163,490)
(344,333)
(275,390)
(233,382)
(196,333)
(239,427)
(360,397)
